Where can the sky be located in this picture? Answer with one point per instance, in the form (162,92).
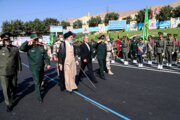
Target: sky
(27,10)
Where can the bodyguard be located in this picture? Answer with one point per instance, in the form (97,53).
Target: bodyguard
(36,57)
(10,65)
(101,52)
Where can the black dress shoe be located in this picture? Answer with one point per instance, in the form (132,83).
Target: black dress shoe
(103,78)
(80,80)
(94,81)
(69,92)
(62,88)
(75,90)
(9,109)
(40,100)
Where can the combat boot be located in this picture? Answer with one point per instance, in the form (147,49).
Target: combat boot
(110,72)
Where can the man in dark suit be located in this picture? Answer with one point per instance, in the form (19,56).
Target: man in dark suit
(86,59)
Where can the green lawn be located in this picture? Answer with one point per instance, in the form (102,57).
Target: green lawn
(130,34)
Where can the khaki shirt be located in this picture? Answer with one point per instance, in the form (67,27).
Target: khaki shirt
(109,47)
(48,50)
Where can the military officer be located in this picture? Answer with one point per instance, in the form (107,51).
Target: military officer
(150,49)
(110,51)
(10,63)
(160,50)
(125,49)
(36,57)
(176,44)
(101,52)
(170,48)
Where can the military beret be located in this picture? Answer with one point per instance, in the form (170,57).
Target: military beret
(150,36)
(134,37)
(169,34)
(175,35)
(6,36)
(140,39)
(66,35)
(101,37)
(160,33)
(33,36)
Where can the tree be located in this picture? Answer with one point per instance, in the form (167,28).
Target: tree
(165,13)
(49,22)
(128,19)
(64,24)
(38,27)
(139,17)
(94,21)
(176,12)
(17,27)
(28,27)
(6,27)
(111,16)
(77,24)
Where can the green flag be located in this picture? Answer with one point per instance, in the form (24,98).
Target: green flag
(146,26)
(52,38)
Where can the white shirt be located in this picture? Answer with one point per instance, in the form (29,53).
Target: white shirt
(87,46)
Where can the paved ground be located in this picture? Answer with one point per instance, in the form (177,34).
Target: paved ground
(132,93)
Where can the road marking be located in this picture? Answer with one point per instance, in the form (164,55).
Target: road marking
(143,68)
(98,104)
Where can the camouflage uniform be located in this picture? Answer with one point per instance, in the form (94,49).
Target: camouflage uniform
(55,52)
(176,44)
(150,50)
(170,48)
(108,57)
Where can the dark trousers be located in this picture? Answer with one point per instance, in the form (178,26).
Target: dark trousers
(102,67)
(38,76)
(61,78)
(140,59)
(90,69)
(175,57)
(134,53)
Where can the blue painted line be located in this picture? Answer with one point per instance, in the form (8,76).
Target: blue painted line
(25,65)
(102,106)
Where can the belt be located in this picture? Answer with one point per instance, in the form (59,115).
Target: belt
(109,51)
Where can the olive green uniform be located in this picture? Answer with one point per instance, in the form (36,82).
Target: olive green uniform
(10,64)
(160,48)
(134,49)
(36,57)
(150,49)
(177,49)
(170,48)
(101,52)
(125,50)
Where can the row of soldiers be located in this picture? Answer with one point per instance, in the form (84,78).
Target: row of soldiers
(157,49)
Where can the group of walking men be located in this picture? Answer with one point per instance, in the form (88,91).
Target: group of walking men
(39,57)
